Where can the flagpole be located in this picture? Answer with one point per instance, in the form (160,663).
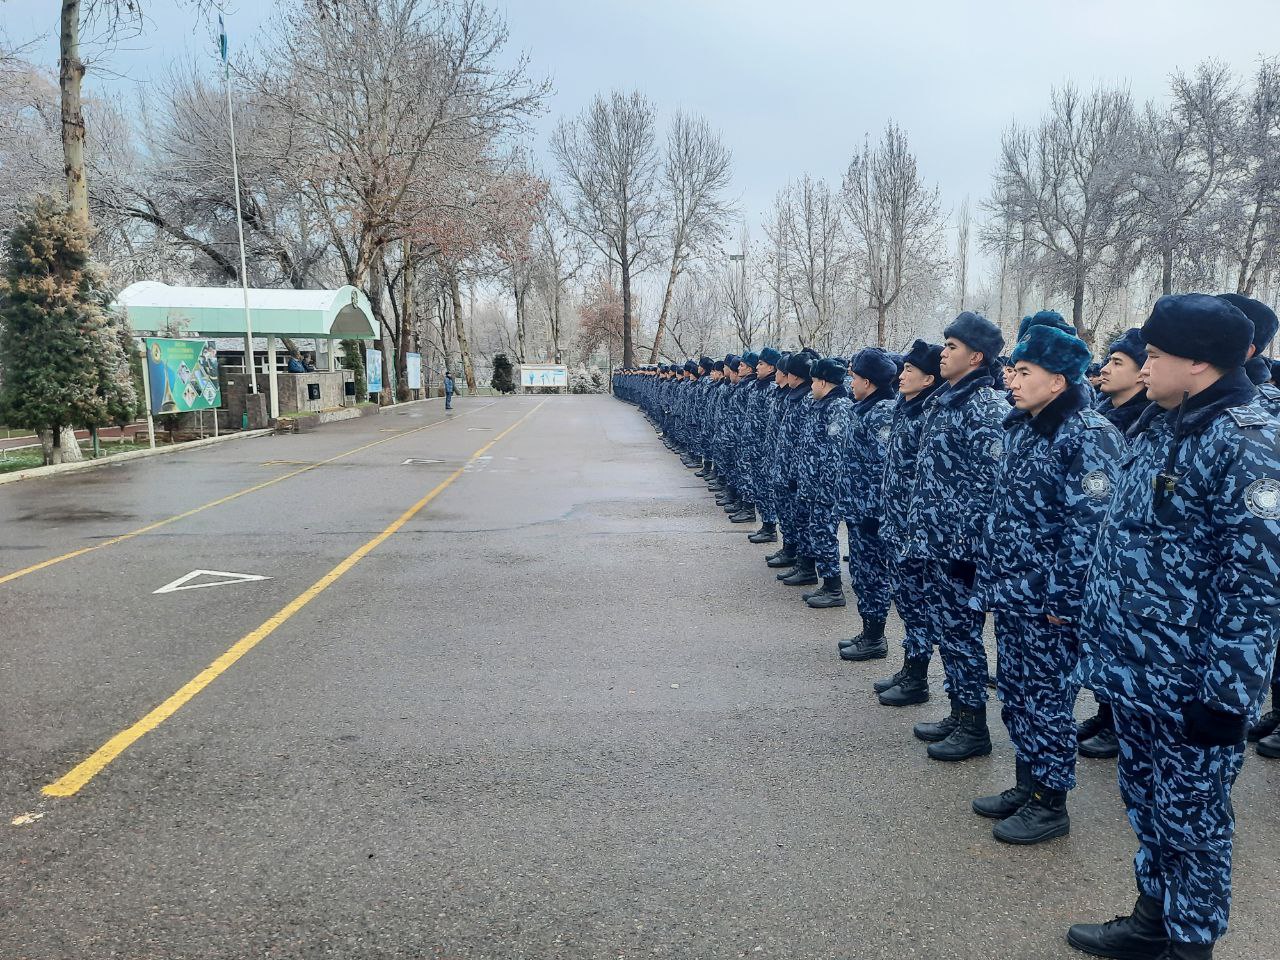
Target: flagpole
(235,174)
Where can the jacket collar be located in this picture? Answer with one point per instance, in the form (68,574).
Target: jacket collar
(839,390)
(1049,420)
(866,403)
(1257,370)
(953,396)
(1233,389)
(915,406)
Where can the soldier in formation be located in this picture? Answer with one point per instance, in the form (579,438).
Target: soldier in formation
(1120,522)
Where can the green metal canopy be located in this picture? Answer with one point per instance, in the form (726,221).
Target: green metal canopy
(152,307)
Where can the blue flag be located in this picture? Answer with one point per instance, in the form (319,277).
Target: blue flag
(222,38)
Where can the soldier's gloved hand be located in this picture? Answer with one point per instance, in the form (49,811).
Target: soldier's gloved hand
(1209,727)
(966,571)
(870,526)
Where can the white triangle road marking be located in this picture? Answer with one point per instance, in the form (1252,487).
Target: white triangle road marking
(184,582)
(419,460)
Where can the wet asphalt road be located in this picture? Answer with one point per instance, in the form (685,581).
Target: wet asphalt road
(564,711)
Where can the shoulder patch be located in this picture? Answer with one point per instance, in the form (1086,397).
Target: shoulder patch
(1093,420)
(1097,485)
(883,433)
(1249,416)
(1262,498)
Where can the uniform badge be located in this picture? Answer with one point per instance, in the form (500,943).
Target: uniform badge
(1262,498)
(996,450)
(883,433)
(833,428)
(1097,485)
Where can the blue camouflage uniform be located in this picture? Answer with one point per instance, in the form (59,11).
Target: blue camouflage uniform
(768,421)
(961,446)
(1178,626)
(796,414)
(1055,484)
(866,435)
(755,432)
(818,468)
(901,451)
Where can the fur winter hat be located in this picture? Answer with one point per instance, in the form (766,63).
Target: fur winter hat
(718,365)
(770,356)
(1131,345)
(732,361)
(877,366)
(705,363)
(1196,326)
(977,333)
(751,358)
(924,357)
(690,367)
(1055,351)
(800,366)
(1263,317)
(1046,318)
(832,370)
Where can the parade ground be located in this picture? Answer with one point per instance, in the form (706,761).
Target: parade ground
(500,683)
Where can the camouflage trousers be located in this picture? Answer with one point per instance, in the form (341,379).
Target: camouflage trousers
(1178,796)
(824,539)
(909,597)
(766,501)
(1037,690)
(959,633)
(869,571)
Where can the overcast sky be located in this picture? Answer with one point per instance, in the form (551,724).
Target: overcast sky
(794,85)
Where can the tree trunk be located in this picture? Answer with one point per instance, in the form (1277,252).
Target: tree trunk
(520,319)
(628,350)
(1166,271)
(882,313)
(464,350)
(70,78)
(666,306)
(1077,308)
(60,446)
(555,325)
(405,323)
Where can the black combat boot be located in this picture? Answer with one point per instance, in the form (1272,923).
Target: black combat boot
(831,594)
(913,688)
(746,515)
(1102,720)
(969,739)
(940,730)
(716,485)
(1267,724)
(1139,936)
(880,686)
(1269,747)
(1008,802)
(870,644)
(703,471)
(804,574)
(783,551)
(768,533)
(1103,746)
(1043,817)
(735,505)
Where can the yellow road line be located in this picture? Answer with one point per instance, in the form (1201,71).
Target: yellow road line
(5,578)
(71,782)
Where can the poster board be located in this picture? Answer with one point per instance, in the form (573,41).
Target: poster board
(182,375)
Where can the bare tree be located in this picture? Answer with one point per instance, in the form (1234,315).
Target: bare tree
(1182,164)
(962,254)
(895,224)
(695,175)
(736,282)
(1070,182)
(1250,213)
(609,159)
(561,258)
(811,259)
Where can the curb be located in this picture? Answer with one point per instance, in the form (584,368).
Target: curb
(59,468)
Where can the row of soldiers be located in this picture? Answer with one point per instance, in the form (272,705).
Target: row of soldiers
(1124,535)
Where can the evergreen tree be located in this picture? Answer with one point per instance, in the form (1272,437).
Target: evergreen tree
(62,358)
(353,359)
(502,375)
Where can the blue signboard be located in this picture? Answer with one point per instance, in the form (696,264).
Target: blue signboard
(373,370)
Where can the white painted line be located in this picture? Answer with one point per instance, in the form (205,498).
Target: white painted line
(419,460)
(184,582)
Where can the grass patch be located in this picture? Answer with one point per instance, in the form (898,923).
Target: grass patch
(13,460)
